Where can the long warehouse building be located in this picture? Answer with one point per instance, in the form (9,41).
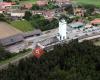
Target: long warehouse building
(9,35)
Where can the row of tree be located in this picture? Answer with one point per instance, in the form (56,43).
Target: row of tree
(73,61)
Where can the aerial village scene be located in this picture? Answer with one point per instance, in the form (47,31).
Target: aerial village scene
(49,39)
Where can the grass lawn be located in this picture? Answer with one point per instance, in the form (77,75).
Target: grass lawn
(93,2)
(28,1)
(22,25)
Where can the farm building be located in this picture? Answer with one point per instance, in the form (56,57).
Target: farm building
(9,35)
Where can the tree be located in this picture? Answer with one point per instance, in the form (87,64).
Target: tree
(69,9)
(89,9)
(39,22)
(2,17)
(73,61)
(28,15)
(4,54)
(35,7)
(8,0)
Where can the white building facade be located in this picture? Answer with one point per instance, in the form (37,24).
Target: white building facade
(62,30)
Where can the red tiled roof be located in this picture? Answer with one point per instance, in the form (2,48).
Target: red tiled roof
(41,3)
(96,21)
(6,3)
(28,5)
(47,14)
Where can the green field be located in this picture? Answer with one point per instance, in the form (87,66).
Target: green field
(93,2)
(28,1)
(22,25)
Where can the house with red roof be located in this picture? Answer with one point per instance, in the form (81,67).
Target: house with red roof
(42,2)
(6,4)
(95,21)
(48,14)
(27,5)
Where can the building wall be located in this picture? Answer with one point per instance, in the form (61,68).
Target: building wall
(1,12)
(11,40)
(18,14)
(62,30)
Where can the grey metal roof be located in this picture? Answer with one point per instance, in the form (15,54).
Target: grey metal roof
(67,5)
(76,24)
(35,32)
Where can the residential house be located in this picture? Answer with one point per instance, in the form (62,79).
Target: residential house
(48,14)
(17,13)
(96,21)
(79,11)
(6,4)
(27,5)
(42,2)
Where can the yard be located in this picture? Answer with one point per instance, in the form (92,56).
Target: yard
(93,2)
(22,25)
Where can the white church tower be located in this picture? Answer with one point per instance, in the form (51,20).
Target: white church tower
(62,30)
